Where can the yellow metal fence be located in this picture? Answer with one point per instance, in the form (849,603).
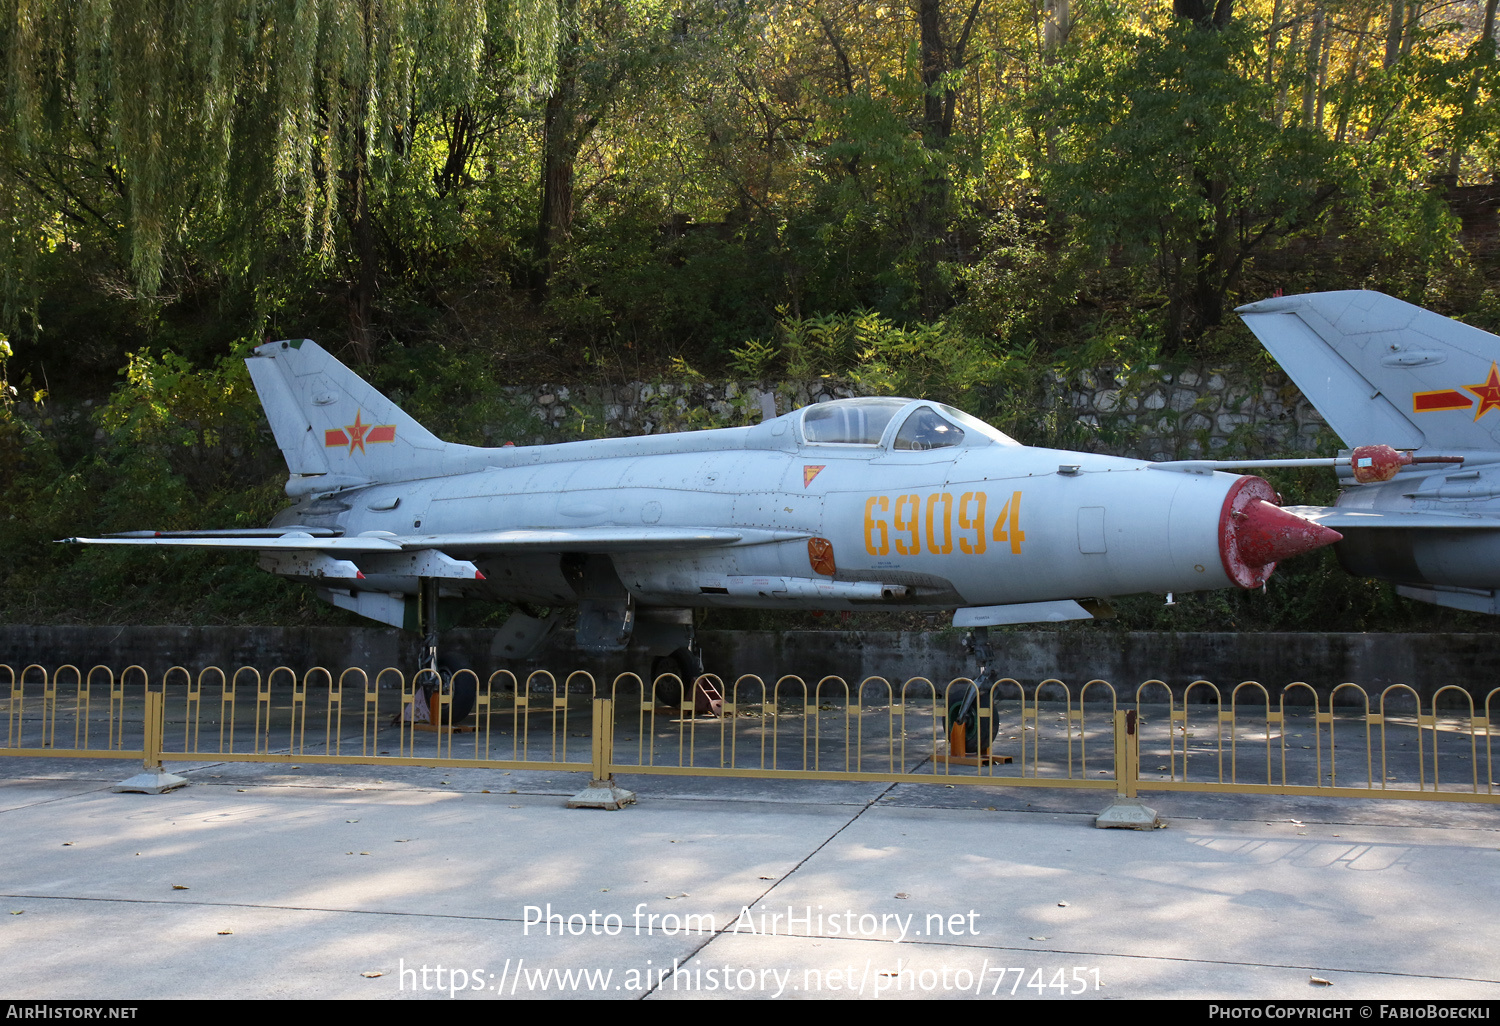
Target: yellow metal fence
(1245,738)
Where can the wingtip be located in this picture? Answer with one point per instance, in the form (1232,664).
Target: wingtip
(1276,304)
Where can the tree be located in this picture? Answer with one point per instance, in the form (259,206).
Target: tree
(140,119)
(1169,148)
(601,48)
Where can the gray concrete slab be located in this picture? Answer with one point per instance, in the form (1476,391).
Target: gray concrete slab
(323,874)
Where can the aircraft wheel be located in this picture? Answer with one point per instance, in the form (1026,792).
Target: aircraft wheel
(462,692)
(686,664)
(461,695)
(970,723)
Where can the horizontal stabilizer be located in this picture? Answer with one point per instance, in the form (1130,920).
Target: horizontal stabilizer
(1343,519)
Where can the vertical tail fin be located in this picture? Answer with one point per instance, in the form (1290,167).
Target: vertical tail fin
(335,430)
(1384,372)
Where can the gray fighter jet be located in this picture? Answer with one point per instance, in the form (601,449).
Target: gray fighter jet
(1418,395)
(856,504)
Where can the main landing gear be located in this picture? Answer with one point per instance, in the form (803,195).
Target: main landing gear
(443,697)
(684,667)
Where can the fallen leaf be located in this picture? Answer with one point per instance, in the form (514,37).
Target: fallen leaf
(17,911)
(364,853)
(515,806)
(180,887)
(484,792)
(241,790)
(1320,981)
(371,975)
(225,933)
(1039,938)
(351,821)
(902,894)
(768,878)
(67,844)
(1062,904)
(671,897)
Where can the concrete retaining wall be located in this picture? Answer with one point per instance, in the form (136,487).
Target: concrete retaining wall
(1427,662)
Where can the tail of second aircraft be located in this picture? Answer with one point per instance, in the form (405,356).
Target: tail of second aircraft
(1384,372)
(337,431)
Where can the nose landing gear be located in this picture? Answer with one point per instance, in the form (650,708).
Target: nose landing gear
(967,744)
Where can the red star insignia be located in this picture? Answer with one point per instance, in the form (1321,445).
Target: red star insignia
(1488,392)
(357,430)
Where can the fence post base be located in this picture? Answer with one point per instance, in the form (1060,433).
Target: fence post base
(602,794)
(150,781)
(1128,814)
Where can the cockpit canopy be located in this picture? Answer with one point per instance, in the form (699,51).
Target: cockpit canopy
(899,424)
(850,421)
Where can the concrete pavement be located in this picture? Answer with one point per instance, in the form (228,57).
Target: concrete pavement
(270,881)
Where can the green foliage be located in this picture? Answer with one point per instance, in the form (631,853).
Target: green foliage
(771,190)
(879,356)
(1020,287)
(173,448)
(171,111)
(1168,147)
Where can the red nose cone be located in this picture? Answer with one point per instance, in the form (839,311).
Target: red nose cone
(1255,534)
(1269,534)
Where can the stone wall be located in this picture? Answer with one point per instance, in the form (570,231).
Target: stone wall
(1158,413)
(1154,413)
(1198,410)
